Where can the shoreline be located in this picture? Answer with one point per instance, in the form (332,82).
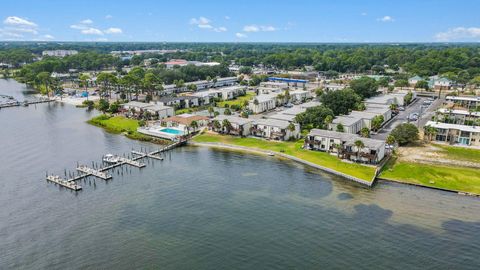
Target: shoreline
(265,152)
(363,182)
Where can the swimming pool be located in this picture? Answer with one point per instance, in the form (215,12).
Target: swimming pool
(171,131)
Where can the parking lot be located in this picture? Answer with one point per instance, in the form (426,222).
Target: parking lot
(424,114)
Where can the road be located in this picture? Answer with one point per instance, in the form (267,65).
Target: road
(402,117)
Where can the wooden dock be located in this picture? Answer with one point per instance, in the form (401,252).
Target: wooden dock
(97,173)
(17,103)
(64,183)
(85,171)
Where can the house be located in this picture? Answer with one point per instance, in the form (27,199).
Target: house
(455,116)
(238,126)
(365,116)
(464,102)
(180,102)
(379,109)
(350,124)
(440,83)
(456,134)
(185,120)
(158,110)
(275,129)
(414,80)
(263,103)
(343,145)
(299,96)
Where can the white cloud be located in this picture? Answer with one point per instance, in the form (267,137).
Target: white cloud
(47,36)
(459,33)
(241,35)
(251,28)
(113,30)
(364,14)
(101,39)
(78,26)
(86,21)
(17,21)
(205,26)
(108,17)
(92,31)
(261,28)
(200,21)
(227,17)
(16,28)
(220,29)
(386,19)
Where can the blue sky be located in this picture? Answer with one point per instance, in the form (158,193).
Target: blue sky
(241,21)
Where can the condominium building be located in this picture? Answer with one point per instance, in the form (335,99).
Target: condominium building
(456,134)
(345,147)
(275,129)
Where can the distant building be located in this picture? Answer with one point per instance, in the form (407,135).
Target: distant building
(464,102)
(343,145)
(180,102)
(59,53)
(414,80)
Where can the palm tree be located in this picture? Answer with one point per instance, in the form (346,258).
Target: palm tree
(360,145)
(365,132)
(194,125)
(227,125)
(337,146)
(390,140)
(44,78)
(340,127)
(84,80)
(429,132)
(210,111)
(216,125)
(328,120)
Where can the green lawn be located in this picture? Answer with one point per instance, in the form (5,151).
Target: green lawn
(238,101)
(120,124)
(460,153)
(294,149)
(452,178)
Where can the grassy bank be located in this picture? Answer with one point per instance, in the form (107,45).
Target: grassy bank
(293,149)
(451,178)
(460,153)
(120,124)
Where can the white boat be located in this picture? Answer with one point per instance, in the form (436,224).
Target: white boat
(109,158)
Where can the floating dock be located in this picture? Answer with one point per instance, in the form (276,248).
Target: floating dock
(17,103)
(64,183)
(97,173)
(85,171)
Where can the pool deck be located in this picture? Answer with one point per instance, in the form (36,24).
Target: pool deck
(156,132)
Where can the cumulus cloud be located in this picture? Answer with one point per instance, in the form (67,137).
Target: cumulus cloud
(261,28)
(92,31)
(16,28)
(459,33)
(48,37)
(241,35)
(17,21)
(200,21)
(113,30)
(386,19)
(205,23)
(220,29)
(86,21)
(86,27)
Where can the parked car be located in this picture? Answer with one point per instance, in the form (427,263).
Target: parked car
(401,108)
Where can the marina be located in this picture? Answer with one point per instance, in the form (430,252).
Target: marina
(114,161)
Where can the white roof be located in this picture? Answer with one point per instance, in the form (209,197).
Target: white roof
(294,110)
(346,120)
(272,122)
(234,119)
(463,98)
(281,116)
(461,112)
(453,126)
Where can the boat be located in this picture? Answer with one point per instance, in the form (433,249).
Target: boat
(109,158)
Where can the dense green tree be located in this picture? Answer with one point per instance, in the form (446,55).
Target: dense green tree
(341,101)
(365,87)
(315,117)
(405,133)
